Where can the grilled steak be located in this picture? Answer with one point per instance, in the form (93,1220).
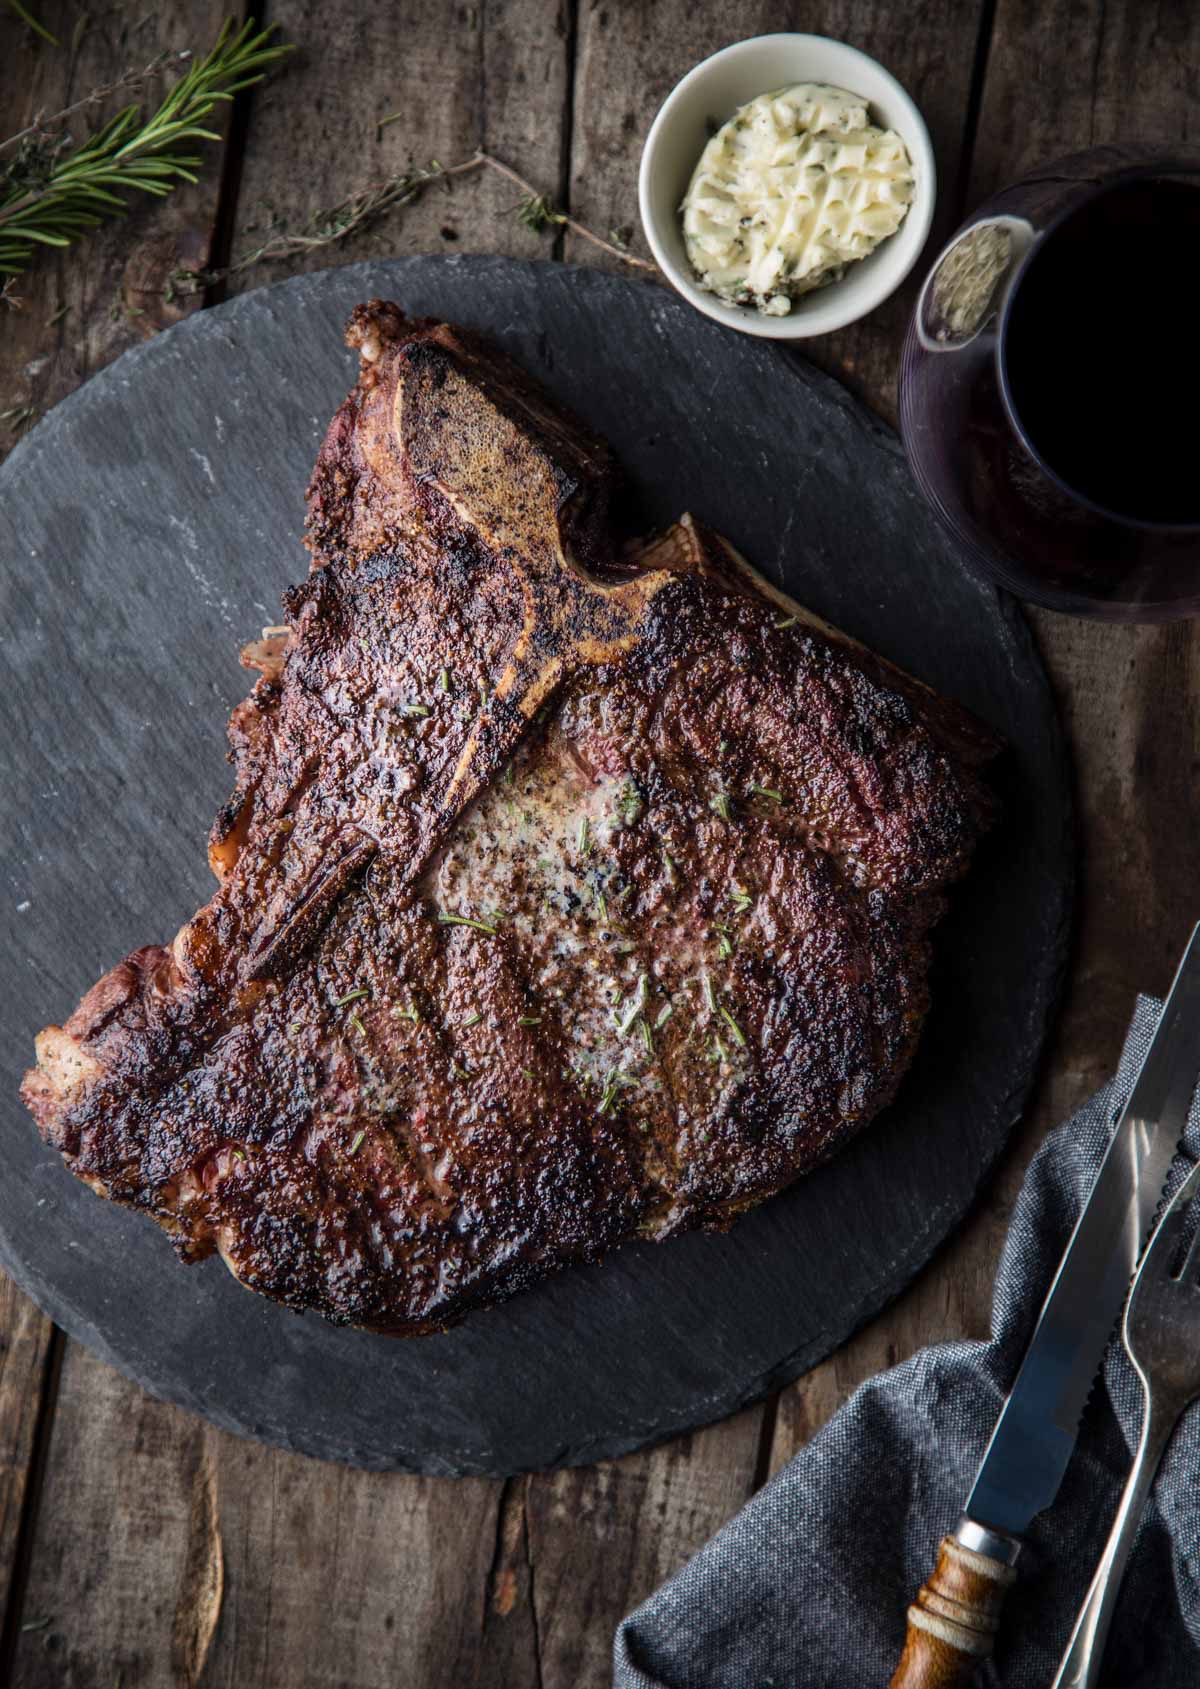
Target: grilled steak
(571,889)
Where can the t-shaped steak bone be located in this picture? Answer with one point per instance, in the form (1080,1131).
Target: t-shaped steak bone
(570,888)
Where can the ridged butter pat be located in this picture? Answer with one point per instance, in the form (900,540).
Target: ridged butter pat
(794,187)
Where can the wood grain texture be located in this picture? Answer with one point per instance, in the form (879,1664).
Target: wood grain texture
(631,55)
(600,1539)
(376,87)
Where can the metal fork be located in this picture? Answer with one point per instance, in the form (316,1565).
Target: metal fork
(1161,1332)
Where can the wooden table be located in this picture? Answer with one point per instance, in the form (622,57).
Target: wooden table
(141,1547)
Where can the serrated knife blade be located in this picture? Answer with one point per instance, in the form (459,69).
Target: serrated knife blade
(1029,1449)
(952,1623)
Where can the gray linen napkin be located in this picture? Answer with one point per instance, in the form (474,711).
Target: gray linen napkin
(807,1586)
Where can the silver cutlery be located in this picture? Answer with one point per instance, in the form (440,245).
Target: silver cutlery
(953,1621)
(1161,1332)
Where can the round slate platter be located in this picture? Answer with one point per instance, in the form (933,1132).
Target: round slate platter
(147,528)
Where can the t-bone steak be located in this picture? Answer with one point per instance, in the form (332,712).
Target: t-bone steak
(574,888)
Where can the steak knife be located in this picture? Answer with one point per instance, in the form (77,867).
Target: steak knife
(952,1623)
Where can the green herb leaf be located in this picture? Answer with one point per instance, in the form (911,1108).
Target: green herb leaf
(735,1030)
(406,1014)
(443,680)
(720,804)
(788,622)
(351,997)
(447,920)
(358,1143)
(472,1020)
(530,1020)
(767,792)
(584,840)
(358,1026)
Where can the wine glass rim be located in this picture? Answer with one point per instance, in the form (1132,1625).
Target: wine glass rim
(1167,165)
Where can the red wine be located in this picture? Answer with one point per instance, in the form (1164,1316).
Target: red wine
(1101,351)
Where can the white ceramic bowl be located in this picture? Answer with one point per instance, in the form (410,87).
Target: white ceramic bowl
(712,92)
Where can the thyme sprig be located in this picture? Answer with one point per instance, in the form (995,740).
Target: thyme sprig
(52,191)
(374,200)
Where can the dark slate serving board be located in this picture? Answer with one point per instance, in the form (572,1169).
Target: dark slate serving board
(148,526)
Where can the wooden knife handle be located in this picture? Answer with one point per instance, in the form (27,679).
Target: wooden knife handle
(953,1621)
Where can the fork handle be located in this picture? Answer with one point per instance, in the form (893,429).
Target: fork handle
(1080,1668)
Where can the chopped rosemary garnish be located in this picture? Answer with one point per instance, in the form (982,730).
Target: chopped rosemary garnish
(629,802)
(609,1095)
(722,747)
(447,920)
(358,1026)
(717,1052)
(482,695)
(706,987)
(358,1143)
(239,1155)
(788,622)
(530,1020)
(472,1020)
(584,840)
(668,863)
(736,1032)
(724,942)
(601,906)
(741,900)
(720,804)
(664,1014)
(633,1009)
(443,680)
(414,709)
(528,1072)
(459,1072)
(647,1039)
(350,997)
(406,1014)
(767,792)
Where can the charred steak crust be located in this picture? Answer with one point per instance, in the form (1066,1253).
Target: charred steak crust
(570,889)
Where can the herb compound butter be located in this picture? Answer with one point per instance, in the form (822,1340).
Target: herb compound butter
(794,187)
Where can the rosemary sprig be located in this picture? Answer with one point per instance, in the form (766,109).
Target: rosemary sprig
(52,192)
(358,1026)
(719,804)
(351,997)
(767,792)
(741,900)
(787,622)
(472,1020)
(358,1143)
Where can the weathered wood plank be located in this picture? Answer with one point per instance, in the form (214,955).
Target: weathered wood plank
(630,56)
(375,88)
(340,1577)
(76,312)
(1130,696)
(600,1539)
